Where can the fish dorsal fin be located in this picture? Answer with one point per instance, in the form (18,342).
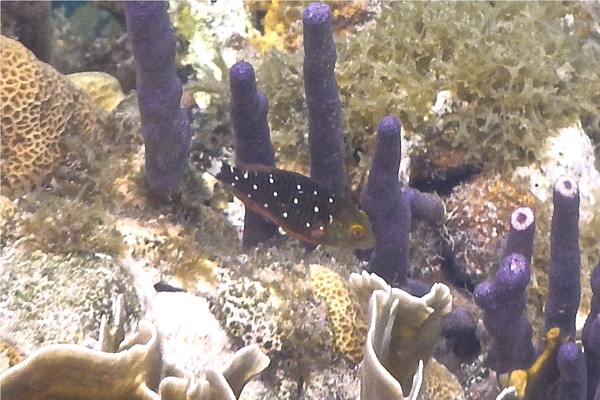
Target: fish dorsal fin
(256,167)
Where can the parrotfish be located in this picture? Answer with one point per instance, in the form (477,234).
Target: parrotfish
(301,206)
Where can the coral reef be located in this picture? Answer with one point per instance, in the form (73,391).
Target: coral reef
(93,220)
(439,383)
(39,108)
(250,311)
(165,126)
(478,212)
(277,21)
(498,98)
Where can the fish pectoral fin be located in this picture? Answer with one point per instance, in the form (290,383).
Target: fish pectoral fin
(317,234)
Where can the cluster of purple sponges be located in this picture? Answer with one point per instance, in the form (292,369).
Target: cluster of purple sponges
(502,300)
(591,339)
(384,200)
(165,126)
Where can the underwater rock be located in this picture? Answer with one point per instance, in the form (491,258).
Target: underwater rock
(60,299)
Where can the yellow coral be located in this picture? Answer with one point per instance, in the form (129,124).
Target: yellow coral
(528,381)
(440,384)
(39,106)
(105,89)
(280,21)
(347,319)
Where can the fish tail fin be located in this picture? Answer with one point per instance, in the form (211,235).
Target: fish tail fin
(215,168)
(220,169)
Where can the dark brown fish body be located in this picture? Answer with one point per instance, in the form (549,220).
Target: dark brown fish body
(304,208)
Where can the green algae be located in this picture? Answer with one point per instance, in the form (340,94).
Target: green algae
(62,226)
(517,70)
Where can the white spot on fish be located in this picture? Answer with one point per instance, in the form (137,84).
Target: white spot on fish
(265,205)
(315,193)
(316,209)
(308,224)
(331,200)
(295,201)
(284,215)
(237,178)
(299,186)
(245,174)
(275,194)
(330,219)
(254,187)
(232,184)
(321,228)
(271,179)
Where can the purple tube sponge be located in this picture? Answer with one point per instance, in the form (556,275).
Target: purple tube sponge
(252,140)
(459,330)
(521,232)
(591,336)
(425,206)
(572,383)
(564,288)
(503,302)
(165,126)
(388,211)
(325,137)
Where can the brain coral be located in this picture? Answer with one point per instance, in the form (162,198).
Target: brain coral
(348,321)
(39,106)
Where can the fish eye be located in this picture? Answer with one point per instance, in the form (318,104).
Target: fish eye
(357,231)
